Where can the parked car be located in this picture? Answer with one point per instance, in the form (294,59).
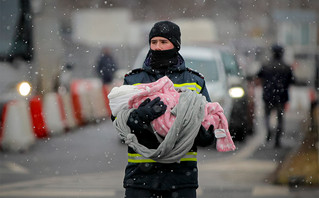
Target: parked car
(241,92)
(208,62)
(221,85)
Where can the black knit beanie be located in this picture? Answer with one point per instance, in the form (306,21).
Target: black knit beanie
(167,30)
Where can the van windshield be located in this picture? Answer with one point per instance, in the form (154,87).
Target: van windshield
(206,67)
(230,63)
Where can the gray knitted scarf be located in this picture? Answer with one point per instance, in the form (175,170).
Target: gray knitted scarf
(179,140)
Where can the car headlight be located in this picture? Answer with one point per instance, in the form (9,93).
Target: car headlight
(24,88)
(236,92)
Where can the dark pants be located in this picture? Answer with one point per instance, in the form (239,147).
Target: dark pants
(143,193)
(280,110)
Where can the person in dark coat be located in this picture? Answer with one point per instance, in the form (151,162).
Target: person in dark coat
(146,177)
(106,66)
(276,78)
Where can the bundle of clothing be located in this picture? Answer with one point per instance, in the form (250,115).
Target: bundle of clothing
(178,126)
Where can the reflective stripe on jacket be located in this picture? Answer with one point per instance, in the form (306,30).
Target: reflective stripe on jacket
(137,158)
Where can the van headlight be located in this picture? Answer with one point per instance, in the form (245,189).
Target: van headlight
(24,88)
(236,92)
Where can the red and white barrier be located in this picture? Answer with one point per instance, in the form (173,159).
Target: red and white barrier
(80,101)
(89,100)
(54,113)
(38,122)
(3,119)
(16,131)
(97,101)
(68,110)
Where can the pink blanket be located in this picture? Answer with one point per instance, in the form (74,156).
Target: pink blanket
(164,88)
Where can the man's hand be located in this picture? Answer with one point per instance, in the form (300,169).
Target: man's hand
(150,110)
(205,137)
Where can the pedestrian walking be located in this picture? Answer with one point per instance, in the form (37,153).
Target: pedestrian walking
(163,174)
(276,77)
(106,66)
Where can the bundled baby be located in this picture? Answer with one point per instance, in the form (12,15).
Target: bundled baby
(131,96)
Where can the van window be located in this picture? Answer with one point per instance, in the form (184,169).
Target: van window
(206,67)
(230,64)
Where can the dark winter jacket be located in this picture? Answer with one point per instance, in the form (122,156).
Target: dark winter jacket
(106,67)
(276,78)
(146,173)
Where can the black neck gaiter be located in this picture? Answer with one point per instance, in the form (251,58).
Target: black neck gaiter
(163,59)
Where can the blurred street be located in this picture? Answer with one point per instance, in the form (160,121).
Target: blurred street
(90,162)
(56,136)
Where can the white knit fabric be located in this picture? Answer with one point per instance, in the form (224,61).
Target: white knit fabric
(119,97)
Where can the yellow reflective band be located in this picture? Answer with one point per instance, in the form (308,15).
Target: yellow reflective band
(134,155)
(188,160)
(191,86)
(192,153)
(137,158)
(188,84)
(190,156)
(141,161)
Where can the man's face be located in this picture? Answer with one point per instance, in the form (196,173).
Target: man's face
(160,43)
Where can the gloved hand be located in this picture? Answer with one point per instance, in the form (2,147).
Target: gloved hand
(150,110)
(211,129)
(205,137)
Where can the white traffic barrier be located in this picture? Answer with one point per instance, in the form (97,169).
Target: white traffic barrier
(68,110)
(97,101)
(53,114)
(17,133)
(81,101)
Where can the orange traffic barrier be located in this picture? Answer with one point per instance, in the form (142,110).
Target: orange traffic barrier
(106,91)
(38,121)
(3,120)
(312,95)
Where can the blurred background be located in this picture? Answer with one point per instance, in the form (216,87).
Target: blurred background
(74,32)
(54,46)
